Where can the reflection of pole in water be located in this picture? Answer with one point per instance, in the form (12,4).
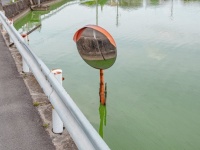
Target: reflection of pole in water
(102,115)
(96,12)
(27,26)
(145,4)
(172,9)
(117,19)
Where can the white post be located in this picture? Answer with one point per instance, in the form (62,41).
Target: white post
(38,3)
(11,24)
(25,67)
(57,123)
(1,10)
(1,6)
(1,27)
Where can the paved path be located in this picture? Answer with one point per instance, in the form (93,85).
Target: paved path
(20,124)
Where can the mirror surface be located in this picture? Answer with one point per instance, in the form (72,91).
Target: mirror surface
(96,49)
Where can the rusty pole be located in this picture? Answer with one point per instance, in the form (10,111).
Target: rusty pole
(102,90)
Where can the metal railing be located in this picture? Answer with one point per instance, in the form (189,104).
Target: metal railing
(80,129)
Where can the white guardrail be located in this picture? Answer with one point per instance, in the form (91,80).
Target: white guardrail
(80,129)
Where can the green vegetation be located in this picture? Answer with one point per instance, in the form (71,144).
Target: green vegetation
(45,125)
(24,75)
(36,104)
(154,2)
(93,2)
(59,4)
(34,16)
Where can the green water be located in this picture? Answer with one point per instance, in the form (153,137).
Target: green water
(153,89)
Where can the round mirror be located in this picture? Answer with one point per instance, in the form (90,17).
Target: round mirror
(96,46)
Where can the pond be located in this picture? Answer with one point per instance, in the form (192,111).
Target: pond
(153,88)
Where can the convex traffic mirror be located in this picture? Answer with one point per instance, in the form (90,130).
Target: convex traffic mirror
(96,46)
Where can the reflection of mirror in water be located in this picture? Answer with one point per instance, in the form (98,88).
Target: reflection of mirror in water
(102,115)
(96,49)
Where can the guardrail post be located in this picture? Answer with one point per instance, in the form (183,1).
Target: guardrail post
(1,6)
(25,67)
(10,21)
(57,123)
(1,10)
(1,26)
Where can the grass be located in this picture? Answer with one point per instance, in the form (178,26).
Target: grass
(45,125)
(24,75)
(36,104)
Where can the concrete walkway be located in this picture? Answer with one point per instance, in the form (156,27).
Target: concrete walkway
(20,124)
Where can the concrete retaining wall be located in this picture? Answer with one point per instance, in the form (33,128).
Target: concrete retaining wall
(13,9)
(41,1)
(16,8)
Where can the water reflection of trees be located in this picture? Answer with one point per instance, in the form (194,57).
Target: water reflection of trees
(122,3)
(35,17)
(127,4)
(189,1)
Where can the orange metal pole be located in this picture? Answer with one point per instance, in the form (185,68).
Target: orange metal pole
(102,90)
